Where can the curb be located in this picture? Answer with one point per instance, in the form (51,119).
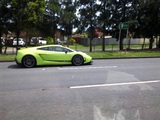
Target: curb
(127,57)
(7,61)
(102,58)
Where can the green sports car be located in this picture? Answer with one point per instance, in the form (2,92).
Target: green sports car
(51,55)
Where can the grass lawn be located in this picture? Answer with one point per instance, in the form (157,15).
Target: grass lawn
(126,54)
(107,54)
(8,57)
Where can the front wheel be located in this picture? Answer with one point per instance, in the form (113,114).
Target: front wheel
(29,61)
(77,60)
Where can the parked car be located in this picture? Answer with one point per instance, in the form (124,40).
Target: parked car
(51,55)
(2,41)
(38,41)
(58,41)
(20,42)
(42,41)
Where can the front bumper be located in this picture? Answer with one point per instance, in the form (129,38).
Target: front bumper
(91,62)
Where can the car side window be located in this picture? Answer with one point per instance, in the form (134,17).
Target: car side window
(66,50)
(52,48)
(58,49)
(44,48)
(55,49)
(62,49)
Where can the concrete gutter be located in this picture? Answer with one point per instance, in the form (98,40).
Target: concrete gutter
(127,57)
(102,58)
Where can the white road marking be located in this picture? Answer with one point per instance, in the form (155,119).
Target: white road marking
(77,68)
(114,84)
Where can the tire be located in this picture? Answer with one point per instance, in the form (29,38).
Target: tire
(77,60)
(29,61)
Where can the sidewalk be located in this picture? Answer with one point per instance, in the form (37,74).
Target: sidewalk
(10,50)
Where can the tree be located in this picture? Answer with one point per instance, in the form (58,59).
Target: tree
(67,17)
(122,11)
(88,17)
(51,18)
(104,18)
(4,11)
(149,19)
(25,14)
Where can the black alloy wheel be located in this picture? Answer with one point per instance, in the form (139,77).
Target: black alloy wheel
(29,61)
(77,60)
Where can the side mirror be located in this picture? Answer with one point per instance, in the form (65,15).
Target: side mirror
(66,51)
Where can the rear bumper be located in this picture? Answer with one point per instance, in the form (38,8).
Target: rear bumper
(18,63)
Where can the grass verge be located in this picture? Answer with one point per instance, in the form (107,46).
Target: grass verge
(125,54)
(108,54)
(7,57)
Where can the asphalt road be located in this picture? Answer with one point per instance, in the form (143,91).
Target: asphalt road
(113,89)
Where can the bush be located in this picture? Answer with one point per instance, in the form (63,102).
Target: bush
(72,41)
(50,40)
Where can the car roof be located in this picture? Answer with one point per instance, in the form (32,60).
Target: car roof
(49,46)
(36,47)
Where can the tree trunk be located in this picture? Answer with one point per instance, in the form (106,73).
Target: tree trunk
(129,43)
(121,40)
(103,44)
(17,36)
(1,43)
(103,41)
(143,43)
(68,41)
(90,44)
(151,43)
(54,38)
(5,50)
(159,43)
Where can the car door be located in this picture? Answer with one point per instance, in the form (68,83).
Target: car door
(56,54)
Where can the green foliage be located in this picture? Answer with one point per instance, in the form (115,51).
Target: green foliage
(72,41)
(67,16)
(124,54)
(4,17)
(88,14)
(50,18)
(50,40)
(84,35)
(34,10)
(7,57)
(25,14)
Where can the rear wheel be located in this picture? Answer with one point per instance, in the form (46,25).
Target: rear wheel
(29,61)
(77,60)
